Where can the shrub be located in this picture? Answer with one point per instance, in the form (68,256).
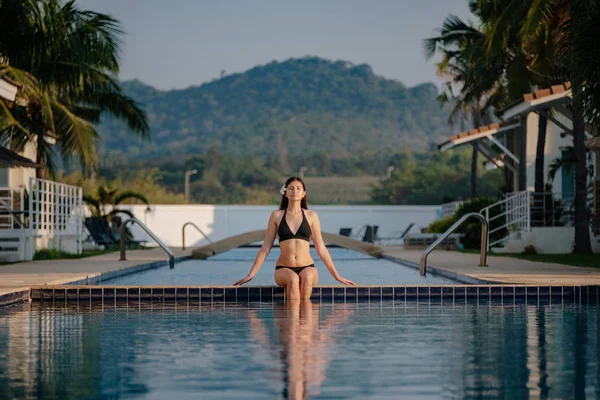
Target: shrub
(51,254)
(441,225)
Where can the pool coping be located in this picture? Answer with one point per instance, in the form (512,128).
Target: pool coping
(22,295)
(95,281)
(441,273)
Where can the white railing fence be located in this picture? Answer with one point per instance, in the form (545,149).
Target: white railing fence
(508,217)
(56,213)
(521,211)
(448,209)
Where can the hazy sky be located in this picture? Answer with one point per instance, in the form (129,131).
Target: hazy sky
(180,43)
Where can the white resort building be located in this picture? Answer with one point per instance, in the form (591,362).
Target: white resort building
(526,217)
(34,213)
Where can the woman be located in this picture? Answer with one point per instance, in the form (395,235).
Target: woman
(295,270)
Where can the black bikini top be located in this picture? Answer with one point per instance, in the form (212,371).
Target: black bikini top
(285,233)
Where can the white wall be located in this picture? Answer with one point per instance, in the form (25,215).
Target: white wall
(19,177)
(8,90)
(553,149)
(220,222)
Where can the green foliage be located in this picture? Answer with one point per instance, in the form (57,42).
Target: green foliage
(360,179)
(105,196)
(64,59)
(441,225)
(53,254)
(433,178)
(472,227)
(144,181)
(296,108)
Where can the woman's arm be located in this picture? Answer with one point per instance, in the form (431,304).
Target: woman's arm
(264,250)
(324,253)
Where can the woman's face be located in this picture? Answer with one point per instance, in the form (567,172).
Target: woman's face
(295,191)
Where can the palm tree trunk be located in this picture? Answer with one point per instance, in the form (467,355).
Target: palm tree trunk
(476,125)
(539,154)
(582,233)
(474,172)
(537,216)
(523,155)
(40,172)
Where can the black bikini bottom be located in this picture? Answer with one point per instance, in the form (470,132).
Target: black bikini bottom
(295,269)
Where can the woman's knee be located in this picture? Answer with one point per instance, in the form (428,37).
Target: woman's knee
(309,277)
(286,278)
(293,280)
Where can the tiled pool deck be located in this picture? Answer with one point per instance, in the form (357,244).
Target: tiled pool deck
(510,279)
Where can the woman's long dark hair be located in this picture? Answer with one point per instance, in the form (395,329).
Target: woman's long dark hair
(285,201)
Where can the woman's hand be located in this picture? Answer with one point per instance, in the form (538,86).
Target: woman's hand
(245,279)
(345,281)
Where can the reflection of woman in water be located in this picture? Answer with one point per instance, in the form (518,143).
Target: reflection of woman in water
(303,345)
(295,270)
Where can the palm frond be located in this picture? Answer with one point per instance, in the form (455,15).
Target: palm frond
(115,211)
(93,203)
(540,11)
(512,13)
(77,136)
(128,194)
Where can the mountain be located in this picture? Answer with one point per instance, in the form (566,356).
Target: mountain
(299,106)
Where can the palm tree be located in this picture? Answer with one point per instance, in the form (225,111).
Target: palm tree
(528,64)
(479,75)
(454,43)
(567,24)
(66,60)
(105,197)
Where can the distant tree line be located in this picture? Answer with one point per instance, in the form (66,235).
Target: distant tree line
(427,177)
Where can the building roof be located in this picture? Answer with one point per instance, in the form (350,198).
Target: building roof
(540,99)
(10,159)
(593,143)
(541,93)
(475,134)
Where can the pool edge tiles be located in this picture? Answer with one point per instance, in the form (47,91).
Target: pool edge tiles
(327,293)
(440,273)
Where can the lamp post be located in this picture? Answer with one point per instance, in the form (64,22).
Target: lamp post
(301,172)
(187,183)
(388,173)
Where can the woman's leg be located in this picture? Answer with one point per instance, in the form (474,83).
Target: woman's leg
(290,281)
(308,278)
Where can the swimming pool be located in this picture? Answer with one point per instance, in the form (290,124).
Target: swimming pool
(228,267)
(381,350)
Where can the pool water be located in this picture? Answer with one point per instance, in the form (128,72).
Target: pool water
(228,267)
(382,350)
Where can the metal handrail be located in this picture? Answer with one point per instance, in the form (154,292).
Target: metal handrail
(483,253)
(149,232)
(198,229)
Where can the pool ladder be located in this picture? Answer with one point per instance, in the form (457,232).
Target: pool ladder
(484,237)
(122,241)
(198,229)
